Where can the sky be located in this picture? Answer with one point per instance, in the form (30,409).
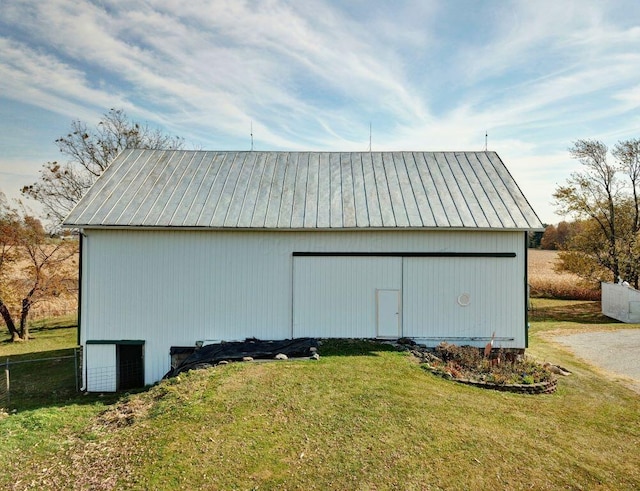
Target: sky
(533,76)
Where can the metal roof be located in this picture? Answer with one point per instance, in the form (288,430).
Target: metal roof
(305,190)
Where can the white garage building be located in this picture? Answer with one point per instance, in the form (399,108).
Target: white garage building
(186,246)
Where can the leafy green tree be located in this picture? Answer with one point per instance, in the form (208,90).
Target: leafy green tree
(88,152)
(605,197)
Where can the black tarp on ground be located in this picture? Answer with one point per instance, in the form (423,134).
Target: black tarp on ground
(213,354)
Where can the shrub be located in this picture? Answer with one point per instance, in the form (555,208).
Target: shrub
(467,362)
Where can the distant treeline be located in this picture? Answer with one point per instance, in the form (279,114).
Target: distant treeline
(554,237)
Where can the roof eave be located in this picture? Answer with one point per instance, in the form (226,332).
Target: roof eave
(300,229)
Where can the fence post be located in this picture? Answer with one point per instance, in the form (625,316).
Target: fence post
(6,373)
(75,367)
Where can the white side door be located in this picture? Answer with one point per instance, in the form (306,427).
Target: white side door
(388,313)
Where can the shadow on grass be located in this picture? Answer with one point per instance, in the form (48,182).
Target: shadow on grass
(352,347)
(36,332)
(52,327)
(565,311)
(46,379)
(37,356)
(46,323)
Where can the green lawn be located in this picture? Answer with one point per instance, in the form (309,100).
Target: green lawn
(362,417)
(47,335)
(42,370)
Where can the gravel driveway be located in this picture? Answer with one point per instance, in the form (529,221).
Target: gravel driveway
(617,352)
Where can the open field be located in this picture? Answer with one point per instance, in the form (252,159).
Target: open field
(63,303)
(362,417)
(546,282)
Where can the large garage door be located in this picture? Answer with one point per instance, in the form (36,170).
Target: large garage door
(461,297)
(336,296)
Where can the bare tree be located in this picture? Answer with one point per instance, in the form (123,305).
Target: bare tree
(89,151)
(628,154)
(30,267)
(605,196)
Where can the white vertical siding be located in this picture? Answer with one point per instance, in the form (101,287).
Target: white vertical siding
(101,372)
(490,289)
(336,296)
(173,287)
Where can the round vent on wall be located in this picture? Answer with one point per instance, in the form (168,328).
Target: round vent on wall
(464,299)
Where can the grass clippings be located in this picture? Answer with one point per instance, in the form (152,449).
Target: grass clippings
(559,313)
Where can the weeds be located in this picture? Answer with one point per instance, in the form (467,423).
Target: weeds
(467,362)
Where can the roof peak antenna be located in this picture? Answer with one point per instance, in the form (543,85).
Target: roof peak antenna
(251,133)
(486,137)
(369,136)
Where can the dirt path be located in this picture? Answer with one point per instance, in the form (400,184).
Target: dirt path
(617,352)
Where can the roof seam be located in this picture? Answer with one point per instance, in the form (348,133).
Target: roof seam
(255,203)
(195,172)
(508,208)
(424,221)
(155,165)
(222,189)
(444,208)
(235,191)
(492,184)
(474,192)
(213,184)
(178,165)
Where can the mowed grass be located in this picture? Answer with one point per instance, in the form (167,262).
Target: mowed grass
(44,408)
(46,335)
(362,417)
(42,370)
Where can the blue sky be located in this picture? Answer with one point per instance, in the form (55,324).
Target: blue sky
(312,75)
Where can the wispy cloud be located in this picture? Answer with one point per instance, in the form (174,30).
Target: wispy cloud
(312,75)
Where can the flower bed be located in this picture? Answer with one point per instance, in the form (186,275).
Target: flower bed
(500,370)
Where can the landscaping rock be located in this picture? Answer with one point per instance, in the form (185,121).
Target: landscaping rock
(407,341)
(429,361)
(557,369)
(281,356)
